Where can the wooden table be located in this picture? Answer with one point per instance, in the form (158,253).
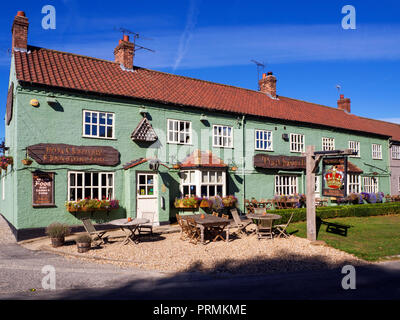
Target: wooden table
(129,228)
(261,233)
(209,221)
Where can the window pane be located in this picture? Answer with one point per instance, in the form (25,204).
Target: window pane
(212,176)
(150,179)
(102,131)
(204,176)
(87,117)
(219,177)
(79,194)
(102,118)
(72,179)
(142,179)
(79,180)
(142,190)
(87,129)
(219,190)
(185,190)
(72,194)
(211,191)
(109,132)
(94,117)
(103,180)
(94,130)
(103,193)
(150,191)
(95,193)
(95,179)
(88,180)
(88,193)
(204,191)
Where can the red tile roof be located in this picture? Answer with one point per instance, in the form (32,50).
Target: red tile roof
(66,70)
(202,159)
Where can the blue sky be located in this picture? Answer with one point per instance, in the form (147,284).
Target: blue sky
(302,42)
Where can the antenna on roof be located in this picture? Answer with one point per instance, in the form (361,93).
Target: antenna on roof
(260,68)
(338,87)
(135,36)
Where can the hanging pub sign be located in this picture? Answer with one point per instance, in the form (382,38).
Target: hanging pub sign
(47,153)
(334,172)
(42,189)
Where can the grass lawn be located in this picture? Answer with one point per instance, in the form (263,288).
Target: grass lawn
(369,238)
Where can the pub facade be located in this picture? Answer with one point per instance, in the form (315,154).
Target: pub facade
(97,129)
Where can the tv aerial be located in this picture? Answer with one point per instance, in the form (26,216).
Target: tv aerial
(260,68)
(135,37)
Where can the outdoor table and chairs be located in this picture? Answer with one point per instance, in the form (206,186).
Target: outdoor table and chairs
(129,228)
(264,224)
(209,223)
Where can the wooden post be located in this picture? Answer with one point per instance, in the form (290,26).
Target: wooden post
(310,195)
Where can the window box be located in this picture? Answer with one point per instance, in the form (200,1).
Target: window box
(90,205)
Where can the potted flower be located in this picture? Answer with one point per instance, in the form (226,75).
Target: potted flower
(27,161)
(204,203)
(83,242)
(176,166)
(5,161)
(190,202)
(57,233)
(229,201)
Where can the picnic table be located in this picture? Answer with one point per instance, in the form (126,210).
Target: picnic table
(209,221)
(129,228)
(264,229)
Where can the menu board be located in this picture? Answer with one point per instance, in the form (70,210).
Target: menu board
(42,189)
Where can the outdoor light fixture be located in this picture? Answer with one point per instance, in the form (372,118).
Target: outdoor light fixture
(143,111)
(285,136)
(203,117)
(34,102)
(154,164)
(51,100)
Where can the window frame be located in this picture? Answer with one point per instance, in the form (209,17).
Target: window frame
(302,143)
(376,154)
(290,178)
(222,136)
(263,141)
(83,187)
(370,185)
(328,142)
(351,183)
(84,135)
(198,181)
(356,144)
(189,133)
(395,152)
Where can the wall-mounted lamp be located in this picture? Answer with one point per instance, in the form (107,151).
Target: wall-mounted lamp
(34,102)
(285,136)
(143,111)
(154,164)
(203,117)
(51,100)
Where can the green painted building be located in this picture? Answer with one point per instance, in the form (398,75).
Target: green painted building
(96,129)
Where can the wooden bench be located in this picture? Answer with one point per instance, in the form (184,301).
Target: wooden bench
(336,228)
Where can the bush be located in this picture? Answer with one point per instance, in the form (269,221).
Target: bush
(58,230)
(83,238)
(356,210)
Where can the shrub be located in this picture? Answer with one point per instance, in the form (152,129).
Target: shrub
(83,238)
(358,210)
(58,230)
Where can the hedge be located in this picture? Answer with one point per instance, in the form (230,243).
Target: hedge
(361,210)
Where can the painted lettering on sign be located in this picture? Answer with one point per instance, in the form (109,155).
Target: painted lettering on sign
(279,162)
(69,154)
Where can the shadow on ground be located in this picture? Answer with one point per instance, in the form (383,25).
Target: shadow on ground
(295,277)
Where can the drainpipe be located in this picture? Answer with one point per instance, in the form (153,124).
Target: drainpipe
(243,163)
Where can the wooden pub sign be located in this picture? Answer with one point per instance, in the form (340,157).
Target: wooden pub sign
(334,173)
(69,154)
(279,162)
(42,189)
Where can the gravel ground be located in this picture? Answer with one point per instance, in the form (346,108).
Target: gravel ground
(248,255)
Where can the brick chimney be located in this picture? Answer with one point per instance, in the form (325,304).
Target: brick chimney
(268,84)
(19,31)
(124,52)
(344,103)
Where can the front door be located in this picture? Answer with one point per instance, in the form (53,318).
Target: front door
(147,196)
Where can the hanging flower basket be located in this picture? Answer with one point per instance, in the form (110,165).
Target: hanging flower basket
(26,162)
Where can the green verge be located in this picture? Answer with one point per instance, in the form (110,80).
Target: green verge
(372,238)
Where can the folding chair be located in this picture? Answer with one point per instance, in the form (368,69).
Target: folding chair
(149,225)
(281,228)
(241,224)
(94,234)
(184,227)
(194,231)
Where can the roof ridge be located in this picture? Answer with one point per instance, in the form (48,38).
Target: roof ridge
(73,54)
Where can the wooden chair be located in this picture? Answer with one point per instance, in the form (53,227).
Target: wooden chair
(241,224)
(249,206)
(264,229)
(225,216)
(94,234)
(194,231)
(147,226)
(215,214)
(281,228)
(184,228)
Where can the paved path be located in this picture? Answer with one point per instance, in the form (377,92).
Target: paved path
(21,270)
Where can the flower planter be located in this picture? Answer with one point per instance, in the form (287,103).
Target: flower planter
(26,162)
(57,242)
(83,247)
(204,204)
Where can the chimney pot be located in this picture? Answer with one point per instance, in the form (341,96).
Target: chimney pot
(125,52)
(19,31)
(344,103)
(268,84)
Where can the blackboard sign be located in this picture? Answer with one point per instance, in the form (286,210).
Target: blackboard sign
(42,189)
